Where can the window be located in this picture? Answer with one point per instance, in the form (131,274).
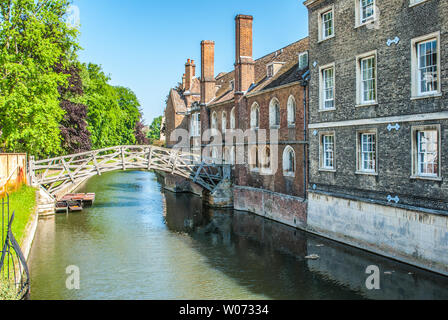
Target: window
(289,161)
(326,23)
(327,90)
(367,10)
(367,147)
(232,119)
(426,151)
(303,60)
(255,116)
(214,120)
(426,65)
(195,125)
(291,111)
(224,121)
(274,113)
(254,161)
(366,79)
(266,160)
(227,156)
(327,158)
(232,85)
(270,71)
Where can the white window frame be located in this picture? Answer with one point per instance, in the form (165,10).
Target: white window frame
(415,83)
(322,88)
(254,112)
(301,55)
(196,125)
(264,160)
(359,79)
(413,3)
(232,119)
(214,122)
(291,111)
(273,114)
(322,151)
(359,152)
(358,14)
(224,121)
(321,13)
(254,165)
(286,164)
(416,174)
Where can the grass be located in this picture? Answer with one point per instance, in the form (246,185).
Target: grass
(23,203)
(7,292)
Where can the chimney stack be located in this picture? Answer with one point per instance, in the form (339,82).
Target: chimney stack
(244,62)
(207,71)
(189,74)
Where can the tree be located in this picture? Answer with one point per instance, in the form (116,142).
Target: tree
(74,132)
(33,39)
(154,130)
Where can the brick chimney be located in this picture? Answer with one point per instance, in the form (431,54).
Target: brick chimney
(244,62)
(190,69)
(208,85)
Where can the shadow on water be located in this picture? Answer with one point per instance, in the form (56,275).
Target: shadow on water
(269,258)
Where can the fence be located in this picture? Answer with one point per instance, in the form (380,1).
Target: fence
(13,172)
(13,267)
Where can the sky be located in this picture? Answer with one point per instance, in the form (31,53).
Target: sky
(144,44)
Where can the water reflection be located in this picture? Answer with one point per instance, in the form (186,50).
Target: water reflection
(139,242)
(269,258)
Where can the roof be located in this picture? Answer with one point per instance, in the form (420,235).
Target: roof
(288,73)
(179,98)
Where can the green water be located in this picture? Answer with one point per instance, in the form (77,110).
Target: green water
(139,242)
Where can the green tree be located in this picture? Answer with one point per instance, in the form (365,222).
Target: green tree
(34,37)
(154,130)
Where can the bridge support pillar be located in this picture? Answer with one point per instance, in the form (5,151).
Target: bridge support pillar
(222,196)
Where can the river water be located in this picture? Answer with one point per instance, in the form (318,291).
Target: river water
(140,242)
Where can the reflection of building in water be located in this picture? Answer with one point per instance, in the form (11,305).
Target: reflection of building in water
(269,257)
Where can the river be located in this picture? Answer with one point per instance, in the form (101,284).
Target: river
(141,242)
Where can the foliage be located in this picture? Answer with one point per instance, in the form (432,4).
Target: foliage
(154,130)
(75,135)
(140,135)
(33,39)
(113,112)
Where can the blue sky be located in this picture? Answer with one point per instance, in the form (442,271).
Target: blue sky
(144,44)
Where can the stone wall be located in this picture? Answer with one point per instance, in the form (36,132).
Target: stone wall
(407,235)
(279,207)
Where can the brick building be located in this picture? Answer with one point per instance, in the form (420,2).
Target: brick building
(378,126)
(262,94)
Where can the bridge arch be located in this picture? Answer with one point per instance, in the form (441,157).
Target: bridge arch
(57,173)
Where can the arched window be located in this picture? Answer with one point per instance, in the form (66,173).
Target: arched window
(232,119)
(266,159)
(289,161)
(224,121)
(254,161)
(255,116)
(215,155)
(227,155)
(232,155)
(291,111)
(214,120)
(274,113)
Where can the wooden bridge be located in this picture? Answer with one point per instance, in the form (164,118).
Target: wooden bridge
(56,174)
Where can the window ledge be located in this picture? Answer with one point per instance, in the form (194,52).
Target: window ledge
(326,110)
(289,174)
(371,104)
(274,127)
(255,170)
(426,96)
(292,126)
(267,172)
(327,170)
(416,3)
(327,38)
(429,178)
(359,25)
(362,173)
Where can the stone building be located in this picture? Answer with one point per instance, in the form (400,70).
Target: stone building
(262,94)
(378,126)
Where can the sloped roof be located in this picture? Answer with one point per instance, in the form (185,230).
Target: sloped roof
(287,74)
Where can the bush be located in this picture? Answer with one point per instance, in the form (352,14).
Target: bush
(7,291)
